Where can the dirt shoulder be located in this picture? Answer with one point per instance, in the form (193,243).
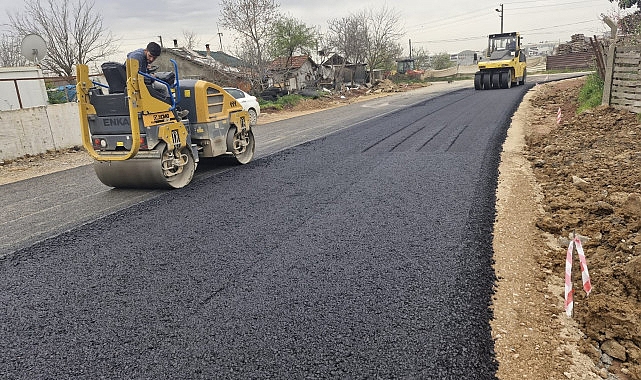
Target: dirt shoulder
(582,176)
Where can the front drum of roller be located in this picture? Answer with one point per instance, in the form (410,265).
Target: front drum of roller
(142,173)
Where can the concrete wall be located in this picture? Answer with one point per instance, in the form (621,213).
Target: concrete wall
(38,129)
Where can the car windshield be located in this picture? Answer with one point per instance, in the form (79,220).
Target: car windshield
(235,93)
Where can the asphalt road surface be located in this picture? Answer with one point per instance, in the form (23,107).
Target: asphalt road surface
(362,253)
(36,209)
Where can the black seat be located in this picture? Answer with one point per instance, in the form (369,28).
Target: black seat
(166,76)
(116,76)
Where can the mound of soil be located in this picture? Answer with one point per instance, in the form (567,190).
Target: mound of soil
(588,167)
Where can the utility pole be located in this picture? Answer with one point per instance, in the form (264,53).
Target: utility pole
(220,38)
(501,16)
(160,38)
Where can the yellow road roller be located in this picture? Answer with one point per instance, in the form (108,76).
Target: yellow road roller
(504,65)
(143,137)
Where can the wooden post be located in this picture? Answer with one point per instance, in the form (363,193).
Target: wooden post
(609,74)
(598,53)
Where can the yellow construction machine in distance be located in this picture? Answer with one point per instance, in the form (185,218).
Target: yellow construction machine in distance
(504,65)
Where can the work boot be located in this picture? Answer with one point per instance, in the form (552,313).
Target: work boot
(181,114)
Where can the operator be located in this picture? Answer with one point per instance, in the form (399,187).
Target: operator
(145,57)
(511,46)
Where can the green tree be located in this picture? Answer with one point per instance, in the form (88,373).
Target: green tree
(73,30)
(631,24)
(290,36)
(442,61)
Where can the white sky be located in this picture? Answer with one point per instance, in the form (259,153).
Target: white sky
(434,25)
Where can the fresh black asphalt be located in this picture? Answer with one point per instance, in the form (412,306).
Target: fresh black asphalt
(363,254)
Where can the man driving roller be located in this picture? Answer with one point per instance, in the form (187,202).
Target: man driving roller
(145,56)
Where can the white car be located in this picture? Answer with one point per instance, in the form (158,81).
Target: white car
(248,102)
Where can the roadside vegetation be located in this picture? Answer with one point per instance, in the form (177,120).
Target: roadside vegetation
(591,93)
(286,101)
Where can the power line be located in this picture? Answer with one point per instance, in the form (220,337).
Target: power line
(451,20)
(462,39)
(474,15)
(553,3)
(560,26)
(472,38)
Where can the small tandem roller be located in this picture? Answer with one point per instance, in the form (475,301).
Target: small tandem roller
(141,138)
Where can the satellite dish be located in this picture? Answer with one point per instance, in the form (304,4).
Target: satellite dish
(33,47)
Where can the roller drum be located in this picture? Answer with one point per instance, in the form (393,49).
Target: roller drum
(143,173)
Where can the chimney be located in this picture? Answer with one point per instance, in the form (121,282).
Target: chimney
(208,51)
(175,43)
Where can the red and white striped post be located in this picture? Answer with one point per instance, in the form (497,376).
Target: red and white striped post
(585,275)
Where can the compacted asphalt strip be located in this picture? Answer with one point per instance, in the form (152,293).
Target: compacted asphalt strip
(366,253)
(45,206)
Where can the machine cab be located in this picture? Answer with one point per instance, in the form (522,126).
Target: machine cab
(503,45)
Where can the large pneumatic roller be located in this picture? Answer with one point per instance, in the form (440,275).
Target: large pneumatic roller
(140,137)
(504,65)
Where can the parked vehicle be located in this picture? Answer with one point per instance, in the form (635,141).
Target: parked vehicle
(248,102)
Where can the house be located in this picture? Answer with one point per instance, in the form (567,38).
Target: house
(215,67)
(467,58)
(337,69)
(292,73)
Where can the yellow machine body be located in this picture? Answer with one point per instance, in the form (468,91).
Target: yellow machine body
(504,65)
(142,138)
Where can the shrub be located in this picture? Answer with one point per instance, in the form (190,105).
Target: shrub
(281,102)
(591,93)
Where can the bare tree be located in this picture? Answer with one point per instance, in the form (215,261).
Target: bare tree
(348,35)
(369,36)
(384,32)
(253,20)
(421,58)
(244,50)
(10,54)
(74,32)
(191,39)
